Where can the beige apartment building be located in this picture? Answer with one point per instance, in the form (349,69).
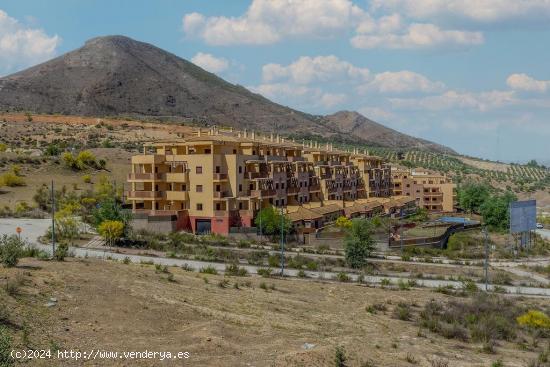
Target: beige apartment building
(432,191)
(219,179)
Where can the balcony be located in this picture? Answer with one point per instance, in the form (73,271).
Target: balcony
(255,175)
(262,193)
(314,188)
(144,177)
(293,190)
(220,194)
(148,159)
(176,177)
(145,195)
(177,195)
(219,176)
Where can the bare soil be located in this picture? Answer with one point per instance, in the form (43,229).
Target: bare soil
(113,306)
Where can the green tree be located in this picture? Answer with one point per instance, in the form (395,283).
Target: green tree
(110,209)
(358,243)
(495,211)
(11,249)
(343,222)
(111,230)
(471,196)
(270,220)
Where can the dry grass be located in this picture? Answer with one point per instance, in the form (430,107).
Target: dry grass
(131,307)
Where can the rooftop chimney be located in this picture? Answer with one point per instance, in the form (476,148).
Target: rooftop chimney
(253,135)
(199,132)
(270,136)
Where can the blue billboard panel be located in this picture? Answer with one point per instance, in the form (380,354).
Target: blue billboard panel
(523,216)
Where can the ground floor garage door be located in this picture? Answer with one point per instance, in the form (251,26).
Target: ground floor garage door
(203,226)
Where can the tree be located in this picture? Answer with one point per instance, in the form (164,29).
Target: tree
(11,249)
(358,243)
(343,222)
(270,221)
(471,196)
(111,230)
(495,210)
(110,210)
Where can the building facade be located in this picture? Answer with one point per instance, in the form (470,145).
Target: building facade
(217,180)
(432,191)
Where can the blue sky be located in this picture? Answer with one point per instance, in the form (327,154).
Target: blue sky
(471,74)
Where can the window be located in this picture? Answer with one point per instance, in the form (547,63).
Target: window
(253,152)
(218,169)
(218,206)
(240,206)
(183,187)
(277,187)
(218,188)
(240,169)
(198,170)
(199,188)
(207,151)
(240,187)
(251,187)
(199,206)
(234,151)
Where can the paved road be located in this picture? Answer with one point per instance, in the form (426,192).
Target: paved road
(32,228)
(429,283)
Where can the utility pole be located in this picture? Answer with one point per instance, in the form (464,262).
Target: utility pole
(53,221)
(260,215)
(486,265)
(401,227)
(282,242)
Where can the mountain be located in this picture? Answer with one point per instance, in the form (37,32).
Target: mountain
(118,76)
(373,133)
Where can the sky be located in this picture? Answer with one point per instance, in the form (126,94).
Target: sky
(473,75)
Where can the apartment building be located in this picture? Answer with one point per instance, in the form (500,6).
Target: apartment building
(432,191)
(217,180)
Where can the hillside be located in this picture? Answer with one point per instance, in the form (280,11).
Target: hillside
(353,123)
(118,76)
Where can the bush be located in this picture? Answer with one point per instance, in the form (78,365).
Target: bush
(5,348)
(61,251)
(302,274)
(87,179)
(340,357)
(235,270)
(342,277)
(402,312)
(265,272)
(208,270)
(11,249)
(10,179)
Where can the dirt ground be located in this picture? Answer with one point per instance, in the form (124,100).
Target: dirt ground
(118,307)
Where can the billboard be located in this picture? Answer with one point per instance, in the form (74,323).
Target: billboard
(523,216)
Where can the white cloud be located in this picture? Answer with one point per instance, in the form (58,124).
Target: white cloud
(526,83)
(401,82)
(21,46)
(210,63)
(268,21)
(417,35)
(299,96)
(307,69)
(376,113)
(483,11)
(454,100)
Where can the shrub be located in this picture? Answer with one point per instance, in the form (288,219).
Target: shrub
(11,249)
(235,270)
(10,179)
(126,260)
(265,272)
(208,270)
(61,251)
(223,283)
(342,277)
(358,243)
(402,312)
(404,286)
(5,348)
(302,274)
(340,357)
(263,286)
(87,179)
